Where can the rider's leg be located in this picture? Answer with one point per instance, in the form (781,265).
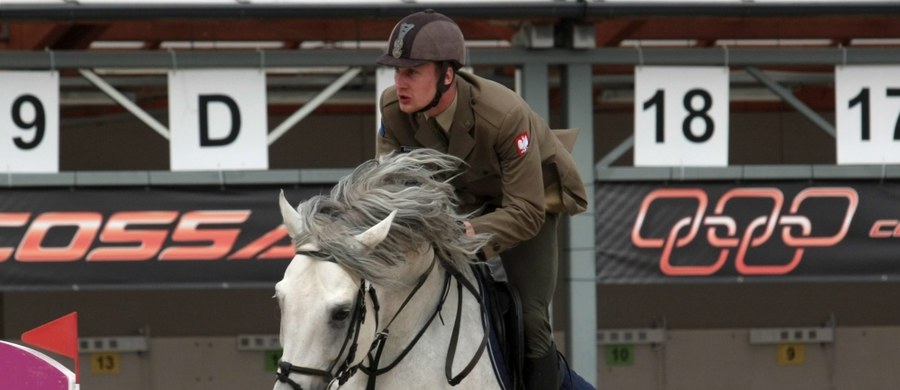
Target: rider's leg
(531,268)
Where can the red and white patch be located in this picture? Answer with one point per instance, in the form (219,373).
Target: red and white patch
(522,144)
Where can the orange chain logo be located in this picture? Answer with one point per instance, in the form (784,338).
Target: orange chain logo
(760,230)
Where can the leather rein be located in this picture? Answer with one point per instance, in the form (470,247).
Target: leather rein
(381,338)
(377,347)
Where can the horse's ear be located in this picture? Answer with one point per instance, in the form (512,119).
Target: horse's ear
(290,216)
(372,237)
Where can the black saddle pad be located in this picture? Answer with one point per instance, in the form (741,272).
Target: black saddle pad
(505,312)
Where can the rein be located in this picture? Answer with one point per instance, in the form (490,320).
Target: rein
(381,338)
(345,371)
(454,339)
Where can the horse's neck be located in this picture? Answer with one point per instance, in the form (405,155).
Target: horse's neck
(421,305)
(426,360)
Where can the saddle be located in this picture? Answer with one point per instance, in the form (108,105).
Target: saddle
(504,310)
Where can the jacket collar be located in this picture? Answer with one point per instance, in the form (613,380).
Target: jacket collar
(458,141)
(461,139)
(428,134)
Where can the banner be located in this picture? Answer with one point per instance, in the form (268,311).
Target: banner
(756,231)
(98,238)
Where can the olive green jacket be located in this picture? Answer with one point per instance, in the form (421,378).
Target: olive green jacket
(517,168)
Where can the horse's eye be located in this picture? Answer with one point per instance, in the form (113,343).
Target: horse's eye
(340,314)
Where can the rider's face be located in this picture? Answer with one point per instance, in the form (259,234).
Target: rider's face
(416,86)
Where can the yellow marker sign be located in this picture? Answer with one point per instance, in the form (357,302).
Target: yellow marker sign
(105,363)
(791,354)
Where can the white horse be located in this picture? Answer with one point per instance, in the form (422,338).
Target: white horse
(391,223)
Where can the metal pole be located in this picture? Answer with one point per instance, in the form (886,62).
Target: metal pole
(114,94)
(789,97)
(580,249)
(309,107)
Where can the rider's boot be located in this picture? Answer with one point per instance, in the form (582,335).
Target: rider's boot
(542,373)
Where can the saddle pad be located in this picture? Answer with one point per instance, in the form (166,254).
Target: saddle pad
(494,349)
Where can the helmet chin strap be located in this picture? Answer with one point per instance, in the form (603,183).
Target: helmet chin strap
(441,88)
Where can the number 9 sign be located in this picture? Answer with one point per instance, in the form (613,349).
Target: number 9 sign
(681,116)
(867,112)
(29,122)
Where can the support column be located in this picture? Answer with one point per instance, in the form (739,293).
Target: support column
(533,84)
(580,249)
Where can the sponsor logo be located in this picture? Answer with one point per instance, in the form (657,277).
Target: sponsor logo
(885,228)
(166,235)
(789,226)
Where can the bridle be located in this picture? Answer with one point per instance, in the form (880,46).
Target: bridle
(373,369)
(346,368)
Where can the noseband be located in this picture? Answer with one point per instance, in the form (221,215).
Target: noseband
(345,371)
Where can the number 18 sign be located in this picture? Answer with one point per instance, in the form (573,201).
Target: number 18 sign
(681,116)
(867,112)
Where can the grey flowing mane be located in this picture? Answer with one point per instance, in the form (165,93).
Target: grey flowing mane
(416,184)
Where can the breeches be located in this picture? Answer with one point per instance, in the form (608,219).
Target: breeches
(531,268)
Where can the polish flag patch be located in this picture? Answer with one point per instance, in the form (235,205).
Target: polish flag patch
(522,144)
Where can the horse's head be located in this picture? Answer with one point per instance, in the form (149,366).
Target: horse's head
(325,311)
(377,224)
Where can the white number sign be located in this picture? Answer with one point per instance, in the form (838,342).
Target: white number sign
(867,111)
(29,122)
(218,120)
(681,116)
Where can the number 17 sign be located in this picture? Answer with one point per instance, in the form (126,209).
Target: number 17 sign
(680,116)
(867,112)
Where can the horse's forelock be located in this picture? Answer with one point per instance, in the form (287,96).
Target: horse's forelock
(415,185)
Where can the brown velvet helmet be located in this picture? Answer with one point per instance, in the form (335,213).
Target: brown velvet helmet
(423,37)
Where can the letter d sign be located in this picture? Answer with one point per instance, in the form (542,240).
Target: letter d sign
(217,120)
(205,139)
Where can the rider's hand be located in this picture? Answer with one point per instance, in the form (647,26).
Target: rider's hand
(470,231)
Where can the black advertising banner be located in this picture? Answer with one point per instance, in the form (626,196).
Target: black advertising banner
(143,238)
(719,232)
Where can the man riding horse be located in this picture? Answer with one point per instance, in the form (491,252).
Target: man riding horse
(520,177)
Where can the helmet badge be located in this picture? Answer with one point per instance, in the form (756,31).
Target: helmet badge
(398,43)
